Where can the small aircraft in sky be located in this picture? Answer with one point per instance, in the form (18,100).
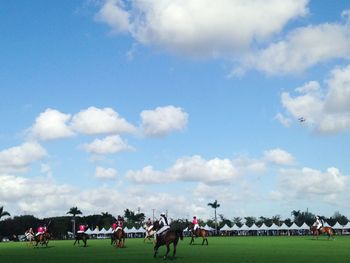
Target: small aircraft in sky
(301,119)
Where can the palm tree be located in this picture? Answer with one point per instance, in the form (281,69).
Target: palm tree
(215,205)
(3,213)
(74,211)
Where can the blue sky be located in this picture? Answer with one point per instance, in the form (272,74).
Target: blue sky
(169,105)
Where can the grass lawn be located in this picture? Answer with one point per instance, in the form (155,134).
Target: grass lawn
(220,249)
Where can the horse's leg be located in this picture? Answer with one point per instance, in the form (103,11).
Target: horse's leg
(192,240)
(155,250)
(167,250)
(175,243)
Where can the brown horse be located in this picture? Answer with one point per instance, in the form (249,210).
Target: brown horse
(170,236)
(42,239)
(81,236)
(118,238)
(199,232)
(323,230)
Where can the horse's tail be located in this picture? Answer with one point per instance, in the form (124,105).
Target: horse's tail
(179,234)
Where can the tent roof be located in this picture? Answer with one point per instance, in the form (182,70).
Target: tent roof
(263,227)
(284,227)
(235,227)
(225,228)
(274,227)
(304,227)
(338,226)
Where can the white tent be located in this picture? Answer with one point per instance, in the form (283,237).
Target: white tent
(225,228)
(208,228)
(294,226)
(347,226)
(133,230)
(244,228)
(235,228)
(89,231)
(304,227)
(284,227)
(263,227)
(109,231)
(338,226)
(140,230)
(274,227)
(127,230)
(95,231)
(103,231)
(254,227)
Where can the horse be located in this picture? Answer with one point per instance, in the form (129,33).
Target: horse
(323,230)
(118,238)
(168,237)
(199,232)
(150,233)
(30,238)
(42,239)
(83,237)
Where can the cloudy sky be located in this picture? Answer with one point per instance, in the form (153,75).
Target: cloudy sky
(171,104)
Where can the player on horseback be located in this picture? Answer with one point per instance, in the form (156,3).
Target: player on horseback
(118,236)
(150,232)
(149,224)
(166,236)
(195,224)
(196,231)
(163,225)
(42,236)
(81,235)
(29,234)
(318,223)
(120,223)
(82,229)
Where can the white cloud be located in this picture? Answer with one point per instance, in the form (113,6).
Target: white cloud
(105,173)
(113,14)
(163,120)
(51,124)
(108,145)
(201,28)
(303,48)
(100,121)
(190,169)
(286,122)
(326,110)
(19,158)
(16,188)
(279,156)
(309,182)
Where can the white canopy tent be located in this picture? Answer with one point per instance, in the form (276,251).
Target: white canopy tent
(225,228)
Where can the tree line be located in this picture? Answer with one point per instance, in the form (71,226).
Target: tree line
(60,225)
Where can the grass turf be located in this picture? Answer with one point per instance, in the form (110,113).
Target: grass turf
(220,249)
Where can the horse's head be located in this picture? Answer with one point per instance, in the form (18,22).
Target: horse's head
(190,226)
(156,225)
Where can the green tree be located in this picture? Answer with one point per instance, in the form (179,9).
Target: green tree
(3,213)
(276,220)
(134,219)
(215,205)
(74,211)
(224,221)
(237,221)
(106,220)
(250,220)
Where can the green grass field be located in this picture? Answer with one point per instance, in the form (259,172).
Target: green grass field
(220,249)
